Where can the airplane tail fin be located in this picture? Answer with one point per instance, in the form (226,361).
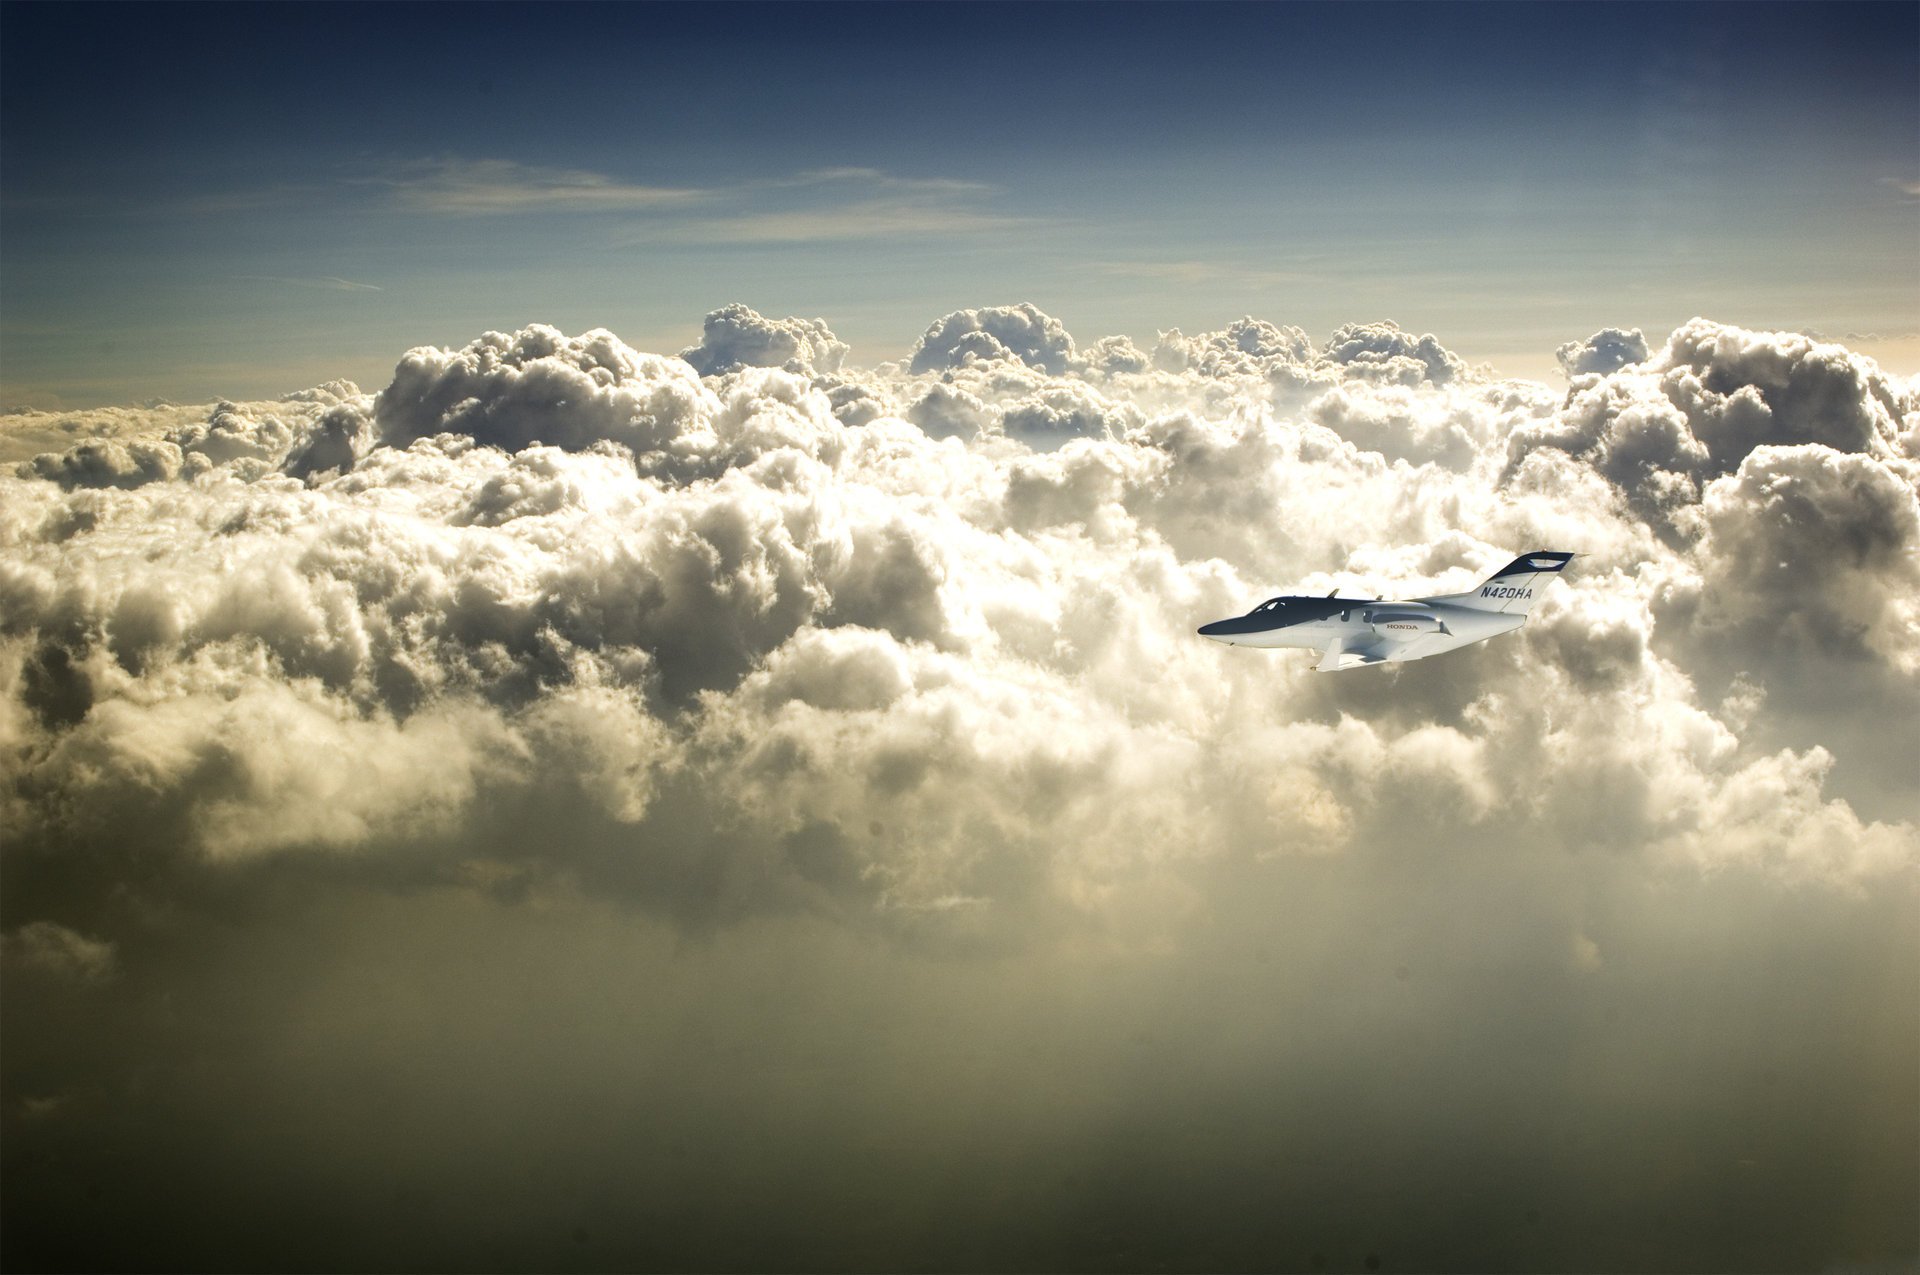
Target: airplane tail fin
(1514,588)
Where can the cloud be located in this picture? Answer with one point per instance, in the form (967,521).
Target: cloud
(1607,350)
(1020,332)
(26,432)
(110,464)
(1246,346)
(738,715)
(43,947)
(735,337)
(415,576)
(1116,354)
(1059,413)
(835,204)
(1746,389)
(883,218)
(1811,553)
(1713,394)
(316,428)
(493,187)
(538,385)
(1455,427)
(330,283)
(1382,351)
(856,175)
(1202,272)
(815,206)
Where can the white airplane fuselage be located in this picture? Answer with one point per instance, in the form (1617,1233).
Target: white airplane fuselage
(1415,629)
(1351,633)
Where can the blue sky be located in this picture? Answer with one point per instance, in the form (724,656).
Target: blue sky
(240,200)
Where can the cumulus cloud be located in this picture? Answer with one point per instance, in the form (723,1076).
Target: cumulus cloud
(736,337)
(1381,351)
(1744,390)
(539,385)
(1021,332)
(1812,553)
(1607,350)
(28,433)
(1692,412)
(1244,346)
(537,516)
(1116,354)
(748,635)
(110,464)
(322,427)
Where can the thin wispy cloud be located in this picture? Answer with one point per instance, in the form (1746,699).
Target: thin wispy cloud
(863,219)
(876,177)
(818,205)
(328,283)
(1195,272)
(833,204)
(258,199)
(490,187)
(243,199)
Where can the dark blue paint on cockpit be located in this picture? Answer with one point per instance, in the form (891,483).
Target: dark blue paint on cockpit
(1279,613)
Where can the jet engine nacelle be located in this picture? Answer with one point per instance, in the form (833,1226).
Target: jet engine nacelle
(1404,624)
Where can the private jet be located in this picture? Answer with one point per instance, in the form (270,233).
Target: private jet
(1350,633)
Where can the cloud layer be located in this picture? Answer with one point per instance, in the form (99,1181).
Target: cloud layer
(907,653)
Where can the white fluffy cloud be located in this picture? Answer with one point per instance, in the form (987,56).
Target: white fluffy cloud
(1381,351)
(1607,350)
(1019,332)
(735,337)
(808,740)
(936,660)
(1244,346)
(1662,428)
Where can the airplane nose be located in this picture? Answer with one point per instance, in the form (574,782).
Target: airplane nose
(1216,631)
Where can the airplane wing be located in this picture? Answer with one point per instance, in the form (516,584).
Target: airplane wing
(1345,654)
(1426,644)
(1341,654)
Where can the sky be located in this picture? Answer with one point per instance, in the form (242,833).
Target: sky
(598,663)
(206,201)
